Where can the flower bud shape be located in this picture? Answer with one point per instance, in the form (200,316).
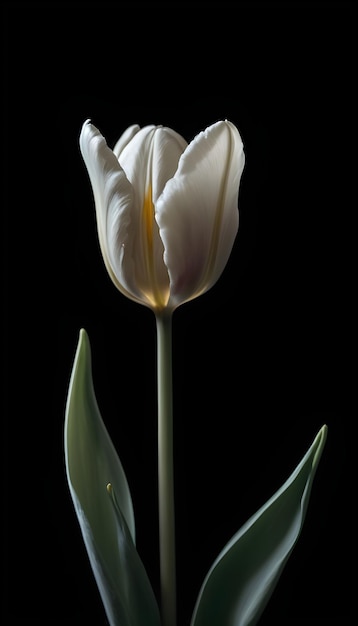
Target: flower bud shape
(167,211)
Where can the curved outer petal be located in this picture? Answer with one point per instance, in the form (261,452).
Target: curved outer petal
(113,195)
(197,212)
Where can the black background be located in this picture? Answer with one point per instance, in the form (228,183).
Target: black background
(261,361)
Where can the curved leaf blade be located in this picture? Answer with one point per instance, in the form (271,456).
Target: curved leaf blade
(91,459)
(243,577)
(108,532)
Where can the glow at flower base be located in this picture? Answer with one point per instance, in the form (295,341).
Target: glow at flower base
(167,219)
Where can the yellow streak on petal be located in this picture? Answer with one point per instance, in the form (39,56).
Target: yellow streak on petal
(148,215)
(156,296)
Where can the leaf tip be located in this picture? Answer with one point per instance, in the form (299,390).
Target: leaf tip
(83,345)
(83,336)
(319,444)
(322,435)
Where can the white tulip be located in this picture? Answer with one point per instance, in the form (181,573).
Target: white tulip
(167,212)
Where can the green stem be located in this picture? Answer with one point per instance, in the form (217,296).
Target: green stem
(166,469)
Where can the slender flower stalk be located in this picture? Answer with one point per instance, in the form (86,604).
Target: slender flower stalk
(166,469)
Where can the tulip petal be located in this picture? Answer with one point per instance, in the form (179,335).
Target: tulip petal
(125,138)
(113,195)
(106,519)
(149,160)
(243,577)
(197,212)
(151,157)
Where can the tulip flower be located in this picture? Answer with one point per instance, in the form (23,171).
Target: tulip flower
(167,212)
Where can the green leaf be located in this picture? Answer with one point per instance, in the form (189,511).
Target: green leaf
(105,513)
(241,580)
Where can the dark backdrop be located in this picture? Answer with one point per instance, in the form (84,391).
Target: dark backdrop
(261,361)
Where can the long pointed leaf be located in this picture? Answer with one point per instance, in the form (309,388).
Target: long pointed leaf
(243,577)
(108,531)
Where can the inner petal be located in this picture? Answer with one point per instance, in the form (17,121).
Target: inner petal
(155,283)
